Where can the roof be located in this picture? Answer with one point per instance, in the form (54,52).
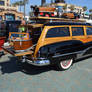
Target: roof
(31,25)
(65,23)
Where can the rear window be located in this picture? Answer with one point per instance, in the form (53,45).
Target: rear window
(58,32)
(89,30)
(77,31)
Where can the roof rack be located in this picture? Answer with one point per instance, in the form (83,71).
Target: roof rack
(65,23)
(54,19)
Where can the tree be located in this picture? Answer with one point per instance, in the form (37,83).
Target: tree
(21,3)
(84,8)
(24,3)
(65,7)
(15,4)
(90,10)
(18,3)
(72,8)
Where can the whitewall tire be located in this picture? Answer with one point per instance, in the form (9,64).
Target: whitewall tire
(65,64)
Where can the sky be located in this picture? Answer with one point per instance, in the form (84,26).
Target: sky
(87,3)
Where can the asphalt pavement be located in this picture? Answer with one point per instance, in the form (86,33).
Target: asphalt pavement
(45,79)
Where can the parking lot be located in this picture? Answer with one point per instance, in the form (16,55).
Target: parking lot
(45,79)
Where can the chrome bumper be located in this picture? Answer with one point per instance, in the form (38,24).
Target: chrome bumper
(39,62)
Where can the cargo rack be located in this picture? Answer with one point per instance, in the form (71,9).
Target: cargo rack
(43,20)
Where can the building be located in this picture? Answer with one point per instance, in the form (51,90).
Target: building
(9,12)
(77,9)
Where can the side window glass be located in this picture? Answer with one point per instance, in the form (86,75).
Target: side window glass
(58,32)
(64,31)
(77,31)
(89,30)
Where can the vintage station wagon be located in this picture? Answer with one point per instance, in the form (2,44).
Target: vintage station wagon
(58,43)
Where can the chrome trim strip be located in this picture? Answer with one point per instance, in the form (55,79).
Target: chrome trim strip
(66,54)
(73,52)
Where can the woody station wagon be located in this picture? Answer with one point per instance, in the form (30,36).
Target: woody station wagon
(58,43)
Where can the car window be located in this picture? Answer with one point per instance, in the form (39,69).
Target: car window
(89,30)
(58,32)
(77,31)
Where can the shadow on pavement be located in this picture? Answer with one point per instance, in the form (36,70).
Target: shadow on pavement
(34,70)
(11,66)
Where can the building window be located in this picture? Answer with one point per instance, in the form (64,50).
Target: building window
(77,31)
(2,2)
(58,32)
(89,30)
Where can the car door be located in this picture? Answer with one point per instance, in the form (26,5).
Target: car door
(78,33)
(89,34)
(88,43)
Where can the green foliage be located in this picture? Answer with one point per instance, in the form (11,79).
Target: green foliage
(65,7)
(84,8)
(90,10)
(72,7)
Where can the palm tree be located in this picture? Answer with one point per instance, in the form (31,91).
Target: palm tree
(65,7)
(72,8)
(18,3)
(24,3)
(21,3)
(15,4)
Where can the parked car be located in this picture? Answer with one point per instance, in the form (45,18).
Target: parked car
(55,43)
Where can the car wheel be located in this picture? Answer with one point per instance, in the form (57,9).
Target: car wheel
(65,64)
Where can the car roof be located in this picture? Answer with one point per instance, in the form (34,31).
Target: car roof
(66,23)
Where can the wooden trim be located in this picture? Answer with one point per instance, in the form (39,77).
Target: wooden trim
(24,53)
(45,41)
